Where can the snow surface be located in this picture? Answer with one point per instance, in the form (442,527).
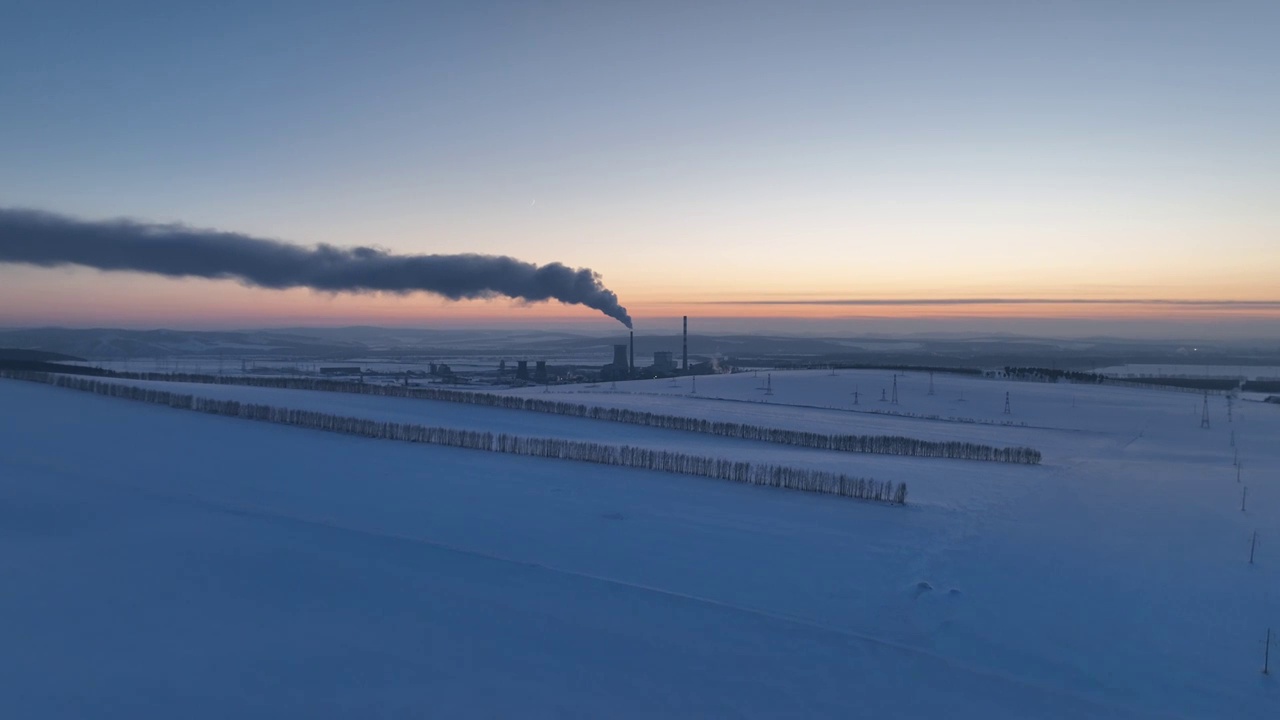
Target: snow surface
(1249,372)
(931,480)
(1061,420)
(163,563)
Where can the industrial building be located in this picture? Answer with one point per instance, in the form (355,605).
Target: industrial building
(664,361)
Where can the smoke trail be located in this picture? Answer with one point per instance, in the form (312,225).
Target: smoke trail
(37,238)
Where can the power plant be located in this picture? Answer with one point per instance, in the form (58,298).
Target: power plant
(623,366)
(664,361)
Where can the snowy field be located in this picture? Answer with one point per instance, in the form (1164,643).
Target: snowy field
(235,363)
(931,480)
(163,563)
(1246,372)
(958,407)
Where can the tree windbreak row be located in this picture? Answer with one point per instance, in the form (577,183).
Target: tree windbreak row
(877,444)
(816,481)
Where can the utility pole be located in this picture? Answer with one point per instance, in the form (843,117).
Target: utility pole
(1237,472)
(1266,654)
(1253,544)
(1243,496)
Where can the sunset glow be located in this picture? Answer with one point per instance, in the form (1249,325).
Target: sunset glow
(762,165)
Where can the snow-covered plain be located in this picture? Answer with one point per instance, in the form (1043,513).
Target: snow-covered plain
(1062,420)
(931,480)
(164,563)
(1247,372)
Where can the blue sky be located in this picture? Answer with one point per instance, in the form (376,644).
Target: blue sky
(686,151)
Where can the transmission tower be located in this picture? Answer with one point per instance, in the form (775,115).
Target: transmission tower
(1007,411)
(855,394)
(693,384)
(1228,408)
(768,388)
(882,397)
(895,389)
(1204,414)
(1266,654)
(930,383)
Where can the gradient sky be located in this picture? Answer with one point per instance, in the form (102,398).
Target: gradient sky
(723,159)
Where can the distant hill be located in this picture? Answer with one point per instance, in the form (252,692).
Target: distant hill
(746,350)
(113,344)
(19,354)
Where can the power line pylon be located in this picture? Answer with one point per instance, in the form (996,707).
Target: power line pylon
(1204,414)
(930,383)
(1266,654)
(1007,411)
(895,389)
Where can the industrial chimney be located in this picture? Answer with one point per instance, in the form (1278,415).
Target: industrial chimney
(686,344)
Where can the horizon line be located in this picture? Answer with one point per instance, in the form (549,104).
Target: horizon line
(911,302)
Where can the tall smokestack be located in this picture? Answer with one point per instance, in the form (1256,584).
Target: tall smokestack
(632,364)
(686,344)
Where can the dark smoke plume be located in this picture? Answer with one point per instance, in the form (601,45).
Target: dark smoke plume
(44,239)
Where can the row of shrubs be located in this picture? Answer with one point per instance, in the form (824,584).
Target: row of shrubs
(623,456)
(878,444)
